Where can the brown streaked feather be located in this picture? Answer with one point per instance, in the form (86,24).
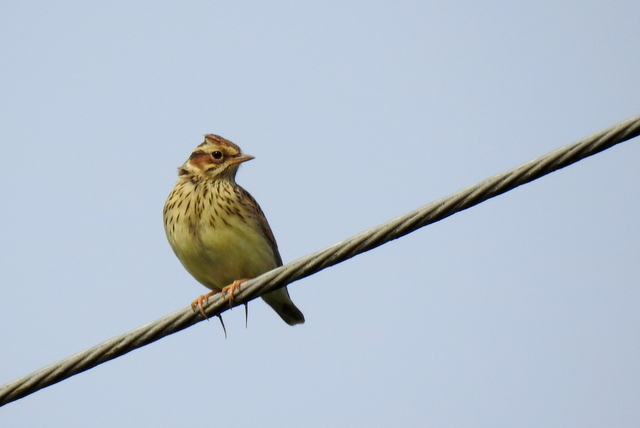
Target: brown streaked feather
(250,203)
(212,138)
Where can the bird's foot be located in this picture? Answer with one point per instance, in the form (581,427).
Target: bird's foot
(232,288)
(203,301)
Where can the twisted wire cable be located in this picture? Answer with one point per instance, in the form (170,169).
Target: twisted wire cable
(313,263)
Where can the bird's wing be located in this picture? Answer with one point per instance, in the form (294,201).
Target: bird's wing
(253,206)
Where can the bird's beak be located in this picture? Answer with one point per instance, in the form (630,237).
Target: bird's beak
(240,158)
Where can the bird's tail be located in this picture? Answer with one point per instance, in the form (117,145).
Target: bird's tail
(280,301)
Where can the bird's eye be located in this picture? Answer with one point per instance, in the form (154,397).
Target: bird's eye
(217,154)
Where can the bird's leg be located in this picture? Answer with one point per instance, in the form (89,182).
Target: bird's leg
(232,288)
(203,299)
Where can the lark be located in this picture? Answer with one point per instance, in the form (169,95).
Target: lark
(218,230)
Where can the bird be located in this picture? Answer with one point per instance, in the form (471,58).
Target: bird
(217,229)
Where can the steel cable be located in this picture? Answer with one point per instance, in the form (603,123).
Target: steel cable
(322,259)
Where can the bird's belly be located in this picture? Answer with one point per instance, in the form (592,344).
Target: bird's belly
(218,256)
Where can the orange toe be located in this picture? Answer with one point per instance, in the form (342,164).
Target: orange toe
(202,301)
(232,288)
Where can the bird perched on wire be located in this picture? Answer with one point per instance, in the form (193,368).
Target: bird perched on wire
(218,230)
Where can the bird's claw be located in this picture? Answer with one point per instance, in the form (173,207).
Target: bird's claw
(198,303)
(232,288)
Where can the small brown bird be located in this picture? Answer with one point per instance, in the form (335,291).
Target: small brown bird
(218,230)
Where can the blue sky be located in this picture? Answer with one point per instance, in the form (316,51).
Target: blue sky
(522,311)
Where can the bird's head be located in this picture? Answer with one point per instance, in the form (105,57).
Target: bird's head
(215,158)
